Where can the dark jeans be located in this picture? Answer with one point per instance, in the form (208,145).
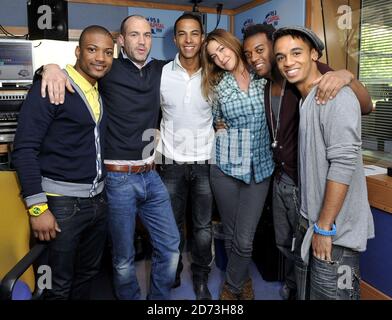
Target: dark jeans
(194,179)
(240,206)
(75,254)
(338,279)
(285,220)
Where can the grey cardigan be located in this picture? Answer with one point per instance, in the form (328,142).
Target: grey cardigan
(330,149)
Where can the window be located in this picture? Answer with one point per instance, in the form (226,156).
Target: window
(375,71)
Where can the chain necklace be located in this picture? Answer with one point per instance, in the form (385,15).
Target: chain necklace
(274,143)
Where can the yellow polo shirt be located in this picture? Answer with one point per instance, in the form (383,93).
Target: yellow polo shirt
(89,91)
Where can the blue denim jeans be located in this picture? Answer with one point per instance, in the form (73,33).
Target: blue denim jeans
(146,195)
(75,254)
(194,179)
(338,279)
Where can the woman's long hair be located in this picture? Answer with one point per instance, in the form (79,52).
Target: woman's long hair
(211,73)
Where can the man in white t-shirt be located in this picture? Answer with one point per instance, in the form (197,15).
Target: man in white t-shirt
(186,143)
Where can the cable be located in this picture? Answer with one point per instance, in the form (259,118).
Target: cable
(219,7)
(5,31)
(195,5)
(11,35)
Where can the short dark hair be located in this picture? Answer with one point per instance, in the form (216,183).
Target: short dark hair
(122,27)
(188,15)
(267,29)
(93,29)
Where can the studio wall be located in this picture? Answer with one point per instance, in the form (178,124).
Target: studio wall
(162,26)
(276,12)
(14,13)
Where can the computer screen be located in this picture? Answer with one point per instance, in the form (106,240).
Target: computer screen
(16,61)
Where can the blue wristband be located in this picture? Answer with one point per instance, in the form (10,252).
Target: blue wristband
(325,232)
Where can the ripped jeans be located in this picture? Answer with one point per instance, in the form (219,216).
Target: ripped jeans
(338,279)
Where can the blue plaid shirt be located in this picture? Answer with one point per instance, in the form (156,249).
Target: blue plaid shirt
(244,149)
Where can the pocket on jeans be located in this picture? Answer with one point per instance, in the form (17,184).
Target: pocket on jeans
(165,170)
(323,279)
(115,179)
(64,213)
(215,171)
(330,262)
(103,200)
(336,256)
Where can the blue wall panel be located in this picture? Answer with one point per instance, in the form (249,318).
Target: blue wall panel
(277,12)
(212,20)
(163,22)
(376,261)
(13,13)
(82,15)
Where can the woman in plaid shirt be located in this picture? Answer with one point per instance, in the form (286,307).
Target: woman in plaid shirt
(244,163)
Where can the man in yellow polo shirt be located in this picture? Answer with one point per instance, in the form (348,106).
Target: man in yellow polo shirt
(91,94)
(58,157)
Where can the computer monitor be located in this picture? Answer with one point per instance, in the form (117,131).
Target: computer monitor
(16,62)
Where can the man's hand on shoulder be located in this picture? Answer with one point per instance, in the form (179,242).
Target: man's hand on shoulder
(55,81)
(330,84)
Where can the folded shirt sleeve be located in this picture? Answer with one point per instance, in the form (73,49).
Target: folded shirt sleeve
(341,123)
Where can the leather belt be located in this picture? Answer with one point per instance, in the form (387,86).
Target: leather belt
(132,169)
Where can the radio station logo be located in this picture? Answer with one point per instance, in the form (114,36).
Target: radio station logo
(247,23)
(272,18)
(156,26)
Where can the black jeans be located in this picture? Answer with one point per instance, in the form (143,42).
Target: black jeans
(180,180)
(74,256)
(285,221)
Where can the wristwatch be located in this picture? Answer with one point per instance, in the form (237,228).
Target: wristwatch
(38,209)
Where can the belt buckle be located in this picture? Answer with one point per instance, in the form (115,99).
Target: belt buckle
(142,168)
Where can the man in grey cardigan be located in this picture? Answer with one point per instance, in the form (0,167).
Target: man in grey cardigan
(335,220)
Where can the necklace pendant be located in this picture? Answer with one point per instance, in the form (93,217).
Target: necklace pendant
(274,144)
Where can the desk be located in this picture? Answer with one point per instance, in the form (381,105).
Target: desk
(380,192)
(376,261)
(5,153)
(3,148)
